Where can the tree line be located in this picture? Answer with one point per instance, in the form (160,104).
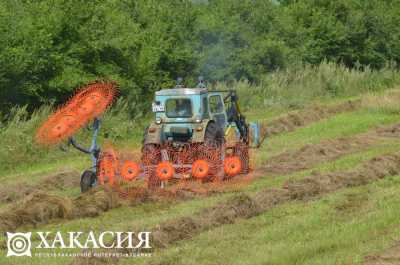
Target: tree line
(50,47)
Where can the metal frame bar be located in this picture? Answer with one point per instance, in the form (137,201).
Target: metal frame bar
(94,149)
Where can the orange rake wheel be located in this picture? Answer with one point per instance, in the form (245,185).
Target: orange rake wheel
(63,126)
(200,169)
(165,171)
(86,108)
(107,167)
(93,99)
(130,170)
(59,127)
(242,151)
(212,156)
(87,104)
(232,166)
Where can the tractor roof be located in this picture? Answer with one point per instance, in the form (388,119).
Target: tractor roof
(181,91)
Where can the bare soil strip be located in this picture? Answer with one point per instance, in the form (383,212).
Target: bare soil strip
(390,256)
(245,207)
(297,119)
(328,150)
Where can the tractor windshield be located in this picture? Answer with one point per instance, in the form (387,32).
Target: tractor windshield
(179,108)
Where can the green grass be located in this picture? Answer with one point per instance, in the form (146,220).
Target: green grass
(295,233)
(341,125)
(296,87)
(338,229)
(150,214)
(35,173)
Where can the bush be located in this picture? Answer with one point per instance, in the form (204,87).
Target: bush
(295,87)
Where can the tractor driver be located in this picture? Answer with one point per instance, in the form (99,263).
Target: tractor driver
(183,108)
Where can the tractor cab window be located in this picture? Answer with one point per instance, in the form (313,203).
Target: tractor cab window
(216,105)
(205,108)
(178,108)
(217,110)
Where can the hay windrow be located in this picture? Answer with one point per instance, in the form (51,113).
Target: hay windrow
(40,208)
(59,181)
(372,170)
(95,202)
(35,209)
(298,119)
(310,155)
(241,206)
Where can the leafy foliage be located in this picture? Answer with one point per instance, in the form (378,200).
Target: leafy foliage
(48,48)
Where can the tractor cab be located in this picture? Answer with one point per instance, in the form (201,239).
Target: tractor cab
(182,114)
(190,115)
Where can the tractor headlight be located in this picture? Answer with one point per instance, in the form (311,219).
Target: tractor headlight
(158,120)
(198,120)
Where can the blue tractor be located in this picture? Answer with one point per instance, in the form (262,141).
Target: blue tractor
(198,133)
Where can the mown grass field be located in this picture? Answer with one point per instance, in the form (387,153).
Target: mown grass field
(337,228)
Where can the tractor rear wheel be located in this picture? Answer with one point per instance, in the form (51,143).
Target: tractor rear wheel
(214,135)
(213,143)
(88,179)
